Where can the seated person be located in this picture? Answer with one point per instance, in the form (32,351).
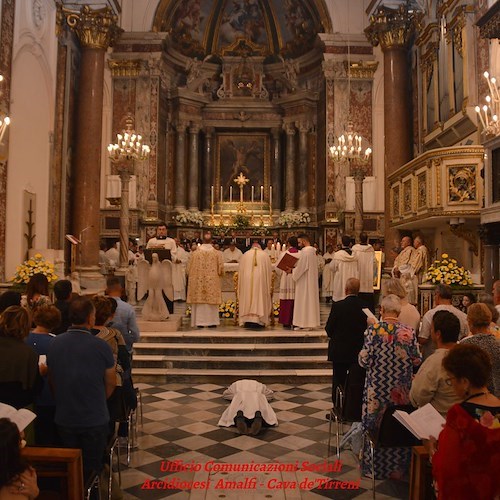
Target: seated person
(249,407)
(9,298)
(429,384)
(465,463)
(17,478)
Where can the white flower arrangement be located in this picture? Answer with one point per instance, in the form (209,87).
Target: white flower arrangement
(35,265)
(190,218)
(291,219)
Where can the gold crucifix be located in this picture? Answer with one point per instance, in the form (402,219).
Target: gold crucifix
(241,180)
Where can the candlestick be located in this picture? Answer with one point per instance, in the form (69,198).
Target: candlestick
(221,193)
(212,198)
(230,194)
(261,195)
(253,192)
(270,201)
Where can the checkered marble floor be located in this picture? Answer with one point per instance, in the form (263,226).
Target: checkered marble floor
(180,423)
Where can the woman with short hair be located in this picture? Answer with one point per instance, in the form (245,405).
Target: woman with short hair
(409,314)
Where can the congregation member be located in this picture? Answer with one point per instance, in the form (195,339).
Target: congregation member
(63,292)
(419,263)
(465,460)
(402,267)
(305,276)
(9,298)
(343,266)
(345,328)
(254,288)
(467,300)
(125,319)
(163,241)
(179,272)
(479,319)
(496,297)
(232,254)
(365,255)
(429,384)
(287,287)
(327,285)
(37,292)
(204,295)
(46,319)
(389,355)
(20,379)
(83,376)
(442,301)
(409,314)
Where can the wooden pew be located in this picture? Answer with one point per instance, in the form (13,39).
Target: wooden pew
(419,473)
(63,464)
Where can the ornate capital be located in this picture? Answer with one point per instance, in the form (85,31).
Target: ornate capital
(181,126)
(362,70)
(289,129)
(96,29)
(392,28)
(125,67)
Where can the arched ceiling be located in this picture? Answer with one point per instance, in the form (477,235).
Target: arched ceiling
(273,27)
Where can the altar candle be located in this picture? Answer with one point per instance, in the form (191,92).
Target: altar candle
(211,197)
(253,192)
(278,247)
(261,195)
(270,199)
(221,194)
(230,194)
(273,251)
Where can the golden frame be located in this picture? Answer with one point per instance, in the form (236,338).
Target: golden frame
(377,268)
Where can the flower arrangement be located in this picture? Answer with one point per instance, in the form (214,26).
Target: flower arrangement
(35,265)
(241,221)
(227,309)
(291,219)
(189,218)
(447,271)
(276,309)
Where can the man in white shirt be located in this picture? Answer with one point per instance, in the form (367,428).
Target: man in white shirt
(232,255)
(429,384)
(442,299)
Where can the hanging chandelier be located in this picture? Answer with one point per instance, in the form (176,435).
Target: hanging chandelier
(128,146)
(488,114)
(351,146)
(4,119)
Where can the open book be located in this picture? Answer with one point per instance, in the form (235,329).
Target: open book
(22,418)
(288,260)
(422,423)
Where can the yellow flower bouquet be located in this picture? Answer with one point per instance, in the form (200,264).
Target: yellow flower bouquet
(34,265)
(227,309)
(446,271)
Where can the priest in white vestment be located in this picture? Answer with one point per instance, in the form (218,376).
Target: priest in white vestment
(327,288)
(179,272)
(365,254)
(254,288)
(205,269)
(343,266)
(232,255)
(402,267)
(419,263)
(305,275)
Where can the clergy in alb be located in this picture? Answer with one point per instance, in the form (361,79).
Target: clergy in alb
(305,275)
(343,266)
(419,263)
(287,286)
(179,272)
(254,288)
(365,254)
(205,269)
(402,267)
(327,291)
(232,255)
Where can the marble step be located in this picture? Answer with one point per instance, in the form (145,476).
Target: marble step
(228,376)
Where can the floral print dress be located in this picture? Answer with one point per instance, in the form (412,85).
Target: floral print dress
(389,354)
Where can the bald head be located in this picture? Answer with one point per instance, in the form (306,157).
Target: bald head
(405,241)
(352,286)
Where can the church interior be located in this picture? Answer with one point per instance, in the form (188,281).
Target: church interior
(249,119)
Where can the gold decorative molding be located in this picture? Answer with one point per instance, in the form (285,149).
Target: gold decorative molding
(427,34)
(392,28)
(361,70)
(125,67)
(462,186)
(96,29)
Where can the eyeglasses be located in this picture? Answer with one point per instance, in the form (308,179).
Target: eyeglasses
(448,380)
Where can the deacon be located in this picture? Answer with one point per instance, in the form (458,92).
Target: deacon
(402,266)
(232,255)
(179,272)
(254,288)
(419,263)
(205,269)
(365,254)
(287,286)
(305,276)
(343,266)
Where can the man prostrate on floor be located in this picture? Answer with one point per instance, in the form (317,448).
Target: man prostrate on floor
(254,288)
(205,269)
(305,275)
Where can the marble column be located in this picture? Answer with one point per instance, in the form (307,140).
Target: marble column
(193,176)
(290,168)
(276,177)
(358,175)
(125,174)
(302,191)
(208,173)
(392,29)
(7,18)
(96,30)
(180,170)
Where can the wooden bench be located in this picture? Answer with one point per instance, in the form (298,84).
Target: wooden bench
(420,473)
(64,464)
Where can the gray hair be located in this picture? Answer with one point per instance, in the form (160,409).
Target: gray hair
(444,291)
(391,304)
(393,286)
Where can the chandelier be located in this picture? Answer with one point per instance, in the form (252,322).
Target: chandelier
(128,146)
(488,114)
(4,119)
(351,146)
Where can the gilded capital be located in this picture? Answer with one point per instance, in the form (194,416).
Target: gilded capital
(392,28)
(96,29)
(125,67)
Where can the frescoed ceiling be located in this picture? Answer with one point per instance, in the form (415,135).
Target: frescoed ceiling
(274,27)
